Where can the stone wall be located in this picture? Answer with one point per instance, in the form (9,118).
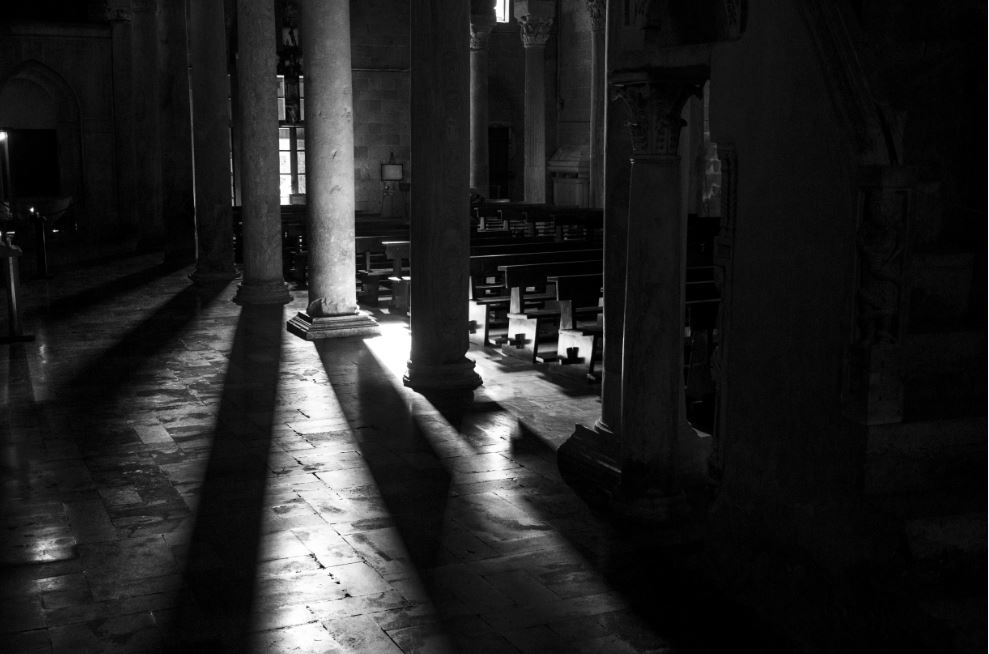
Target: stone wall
(72,66)
(381,50)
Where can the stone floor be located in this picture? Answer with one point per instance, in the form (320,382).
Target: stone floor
(181,474)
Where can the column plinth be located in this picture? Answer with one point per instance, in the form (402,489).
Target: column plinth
(440,224)
(332,310)
(257,117)
(210,131)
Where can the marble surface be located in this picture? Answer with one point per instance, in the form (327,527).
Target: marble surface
(181,474)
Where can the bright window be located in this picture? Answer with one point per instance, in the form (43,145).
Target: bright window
(291,139)
(503,11)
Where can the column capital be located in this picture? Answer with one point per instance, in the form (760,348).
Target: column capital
(652,105)
(597,11)
(535,19)
(480,30)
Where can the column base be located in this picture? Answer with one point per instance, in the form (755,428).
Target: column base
(314,328)
(263,293)
(590,463)
(447,377)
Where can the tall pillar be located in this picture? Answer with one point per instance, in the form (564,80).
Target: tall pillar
(330,209)
(440,226)
(175,135)
(120,17)
(482,19)
(596,9)
(211,140)
(644,469)
(654,428)
(257,114)
(535,19)
(147,166)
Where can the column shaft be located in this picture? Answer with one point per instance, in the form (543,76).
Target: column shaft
(257,114)
(598,93)
(211,138)
(123,107)
(479,176)
(440,226)
(175,135)
(535,123)
(147,203)
(332,309)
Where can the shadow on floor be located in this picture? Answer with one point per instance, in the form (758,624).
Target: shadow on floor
(214,611)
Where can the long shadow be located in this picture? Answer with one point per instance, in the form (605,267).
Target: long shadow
(409,475)
(215,604)
(67,306)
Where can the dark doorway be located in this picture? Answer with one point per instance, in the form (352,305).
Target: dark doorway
(33,162)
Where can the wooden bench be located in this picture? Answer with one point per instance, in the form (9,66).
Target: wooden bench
(579,341)
(398,253)
(489,298)
(530,326)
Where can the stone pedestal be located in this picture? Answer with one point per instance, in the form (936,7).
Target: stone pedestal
(440,221)
(211,140)
(175,137)
(332,309)
(535,19)
(257,114)
(597,11)
(482,19)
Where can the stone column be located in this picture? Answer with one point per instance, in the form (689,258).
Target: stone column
(257,116)
(332,310)
(440,225)
(211,140)
(535,19)
(597,9)
(120,17)
(175,136)
(654,430)
(647,464)
(147,166)
(482,19)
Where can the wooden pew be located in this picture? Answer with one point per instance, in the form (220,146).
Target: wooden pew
(398,253)
(488,296)
(528,325)
(579,342)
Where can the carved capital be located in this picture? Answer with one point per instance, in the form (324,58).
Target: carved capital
(535,31)
(479,33)
(653,106)
(596,10)
(111,10)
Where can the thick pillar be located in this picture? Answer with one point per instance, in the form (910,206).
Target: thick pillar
(175,135)
(655,435)
(645,469)
(211,140)
(332,310)
(147,166)
(482,19)
(440,225)
(257,116)
(596,9)
(535,19)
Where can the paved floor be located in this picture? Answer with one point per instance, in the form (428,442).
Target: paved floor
(181,474)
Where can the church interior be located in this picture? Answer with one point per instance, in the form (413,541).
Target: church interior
(484,326)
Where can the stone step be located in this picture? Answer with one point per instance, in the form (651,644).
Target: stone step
(925,456)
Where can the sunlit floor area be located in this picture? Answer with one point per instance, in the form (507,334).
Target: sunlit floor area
(179,473)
